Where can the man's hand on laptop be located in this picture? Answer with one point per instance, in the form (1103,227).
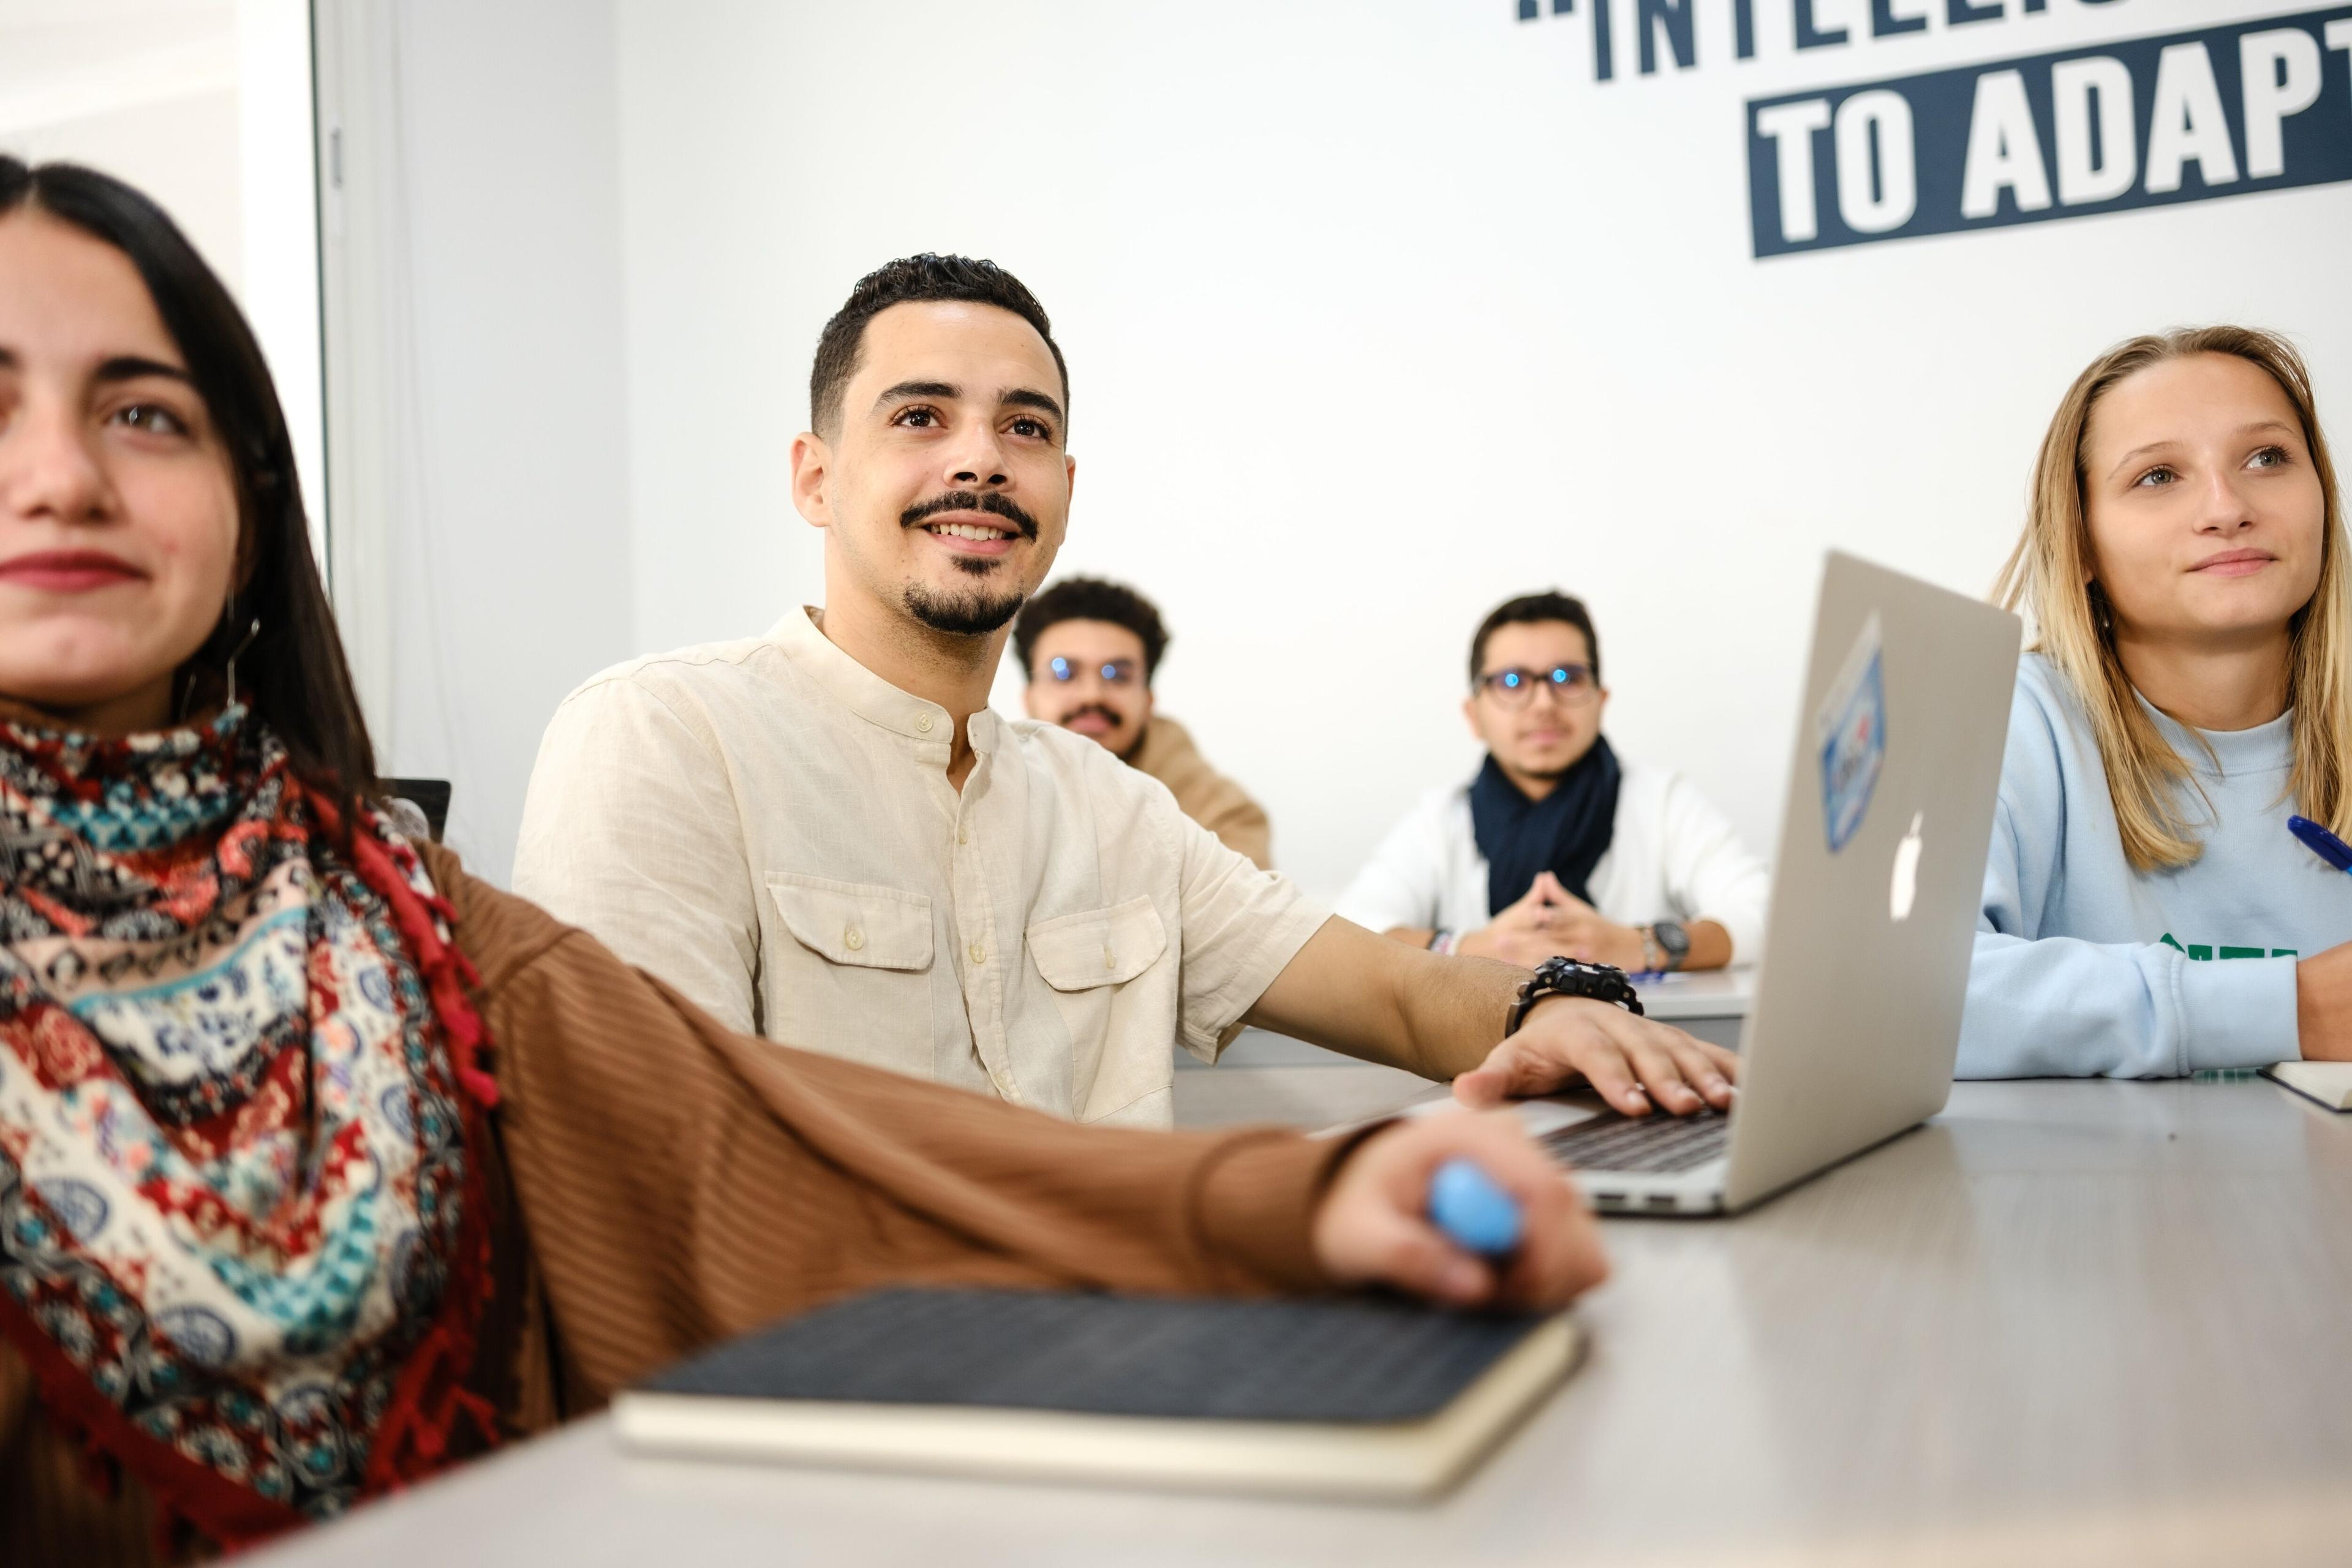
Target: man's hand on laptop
(1633,1063)
(1373,1227)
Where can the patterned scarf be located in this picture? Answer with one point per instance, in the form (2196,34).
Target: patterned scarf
(241,1244)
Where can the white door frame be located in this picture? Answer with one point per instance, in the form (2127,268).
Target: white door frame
(363,311)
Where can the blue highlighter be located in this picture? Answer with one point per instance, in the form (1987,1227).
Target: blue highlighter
(2321,842)
(1475,1213)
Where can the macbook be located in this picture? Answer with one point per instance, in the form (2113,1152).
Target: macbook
(1856,1019)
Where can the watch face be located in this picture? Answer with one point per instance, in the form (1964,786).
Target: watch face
(1672,936)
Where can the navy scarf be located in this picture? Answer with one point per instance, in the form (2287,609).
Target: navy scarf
(1566,832)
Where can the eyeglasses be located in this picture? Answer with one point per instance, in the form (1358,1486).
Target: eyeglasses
(1571,684)
(1117,672)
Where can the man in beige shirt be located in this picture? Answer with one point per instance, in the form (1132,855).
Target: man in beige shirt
(1090,649)
(824,836)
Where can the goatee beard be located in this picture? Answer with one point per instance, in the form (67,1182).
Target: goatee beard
(972,614)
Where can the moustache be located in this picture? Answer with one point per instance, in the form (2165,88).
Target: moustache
(992,503)
(1075,714)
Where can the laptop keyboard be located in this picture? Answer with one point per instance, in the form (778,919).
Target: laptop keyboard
(1655,1144)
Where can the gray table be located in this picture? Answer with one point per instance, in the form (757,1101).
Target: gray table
(1711,1004)
(1263,1077)
(2065,1323)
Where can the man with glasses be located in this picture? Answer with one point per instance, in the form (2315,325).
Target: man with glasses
(1556,847)
(1090,649)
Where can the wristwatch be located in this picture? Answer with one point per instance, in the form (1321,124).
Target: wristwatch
(1664,946)
(1566,978)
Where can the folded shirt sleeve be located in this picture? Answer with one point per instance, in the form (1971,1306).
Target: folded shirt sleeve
(1241,927)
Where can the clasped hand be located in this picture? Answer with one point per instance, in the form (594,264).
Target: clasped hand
(1550,922)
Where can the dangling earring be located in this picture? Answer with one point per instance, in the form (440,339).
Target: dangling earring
(251,632)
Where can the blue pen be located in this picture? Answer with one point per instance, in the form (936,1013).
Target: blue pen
(1471,1209)
(2321,842)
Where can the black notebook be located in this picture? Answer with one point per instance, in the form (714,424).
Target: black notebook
(1358,1398)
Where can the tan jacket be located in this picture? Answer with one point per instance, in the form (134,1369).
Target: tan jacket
(1207,796)
(660,1184)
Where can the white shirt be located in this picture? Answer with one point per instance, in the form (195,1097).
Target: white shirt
(1671,857)
(768,826)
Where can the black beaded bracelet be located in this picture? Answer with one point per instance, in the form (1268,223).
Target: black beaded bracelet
(1566,978)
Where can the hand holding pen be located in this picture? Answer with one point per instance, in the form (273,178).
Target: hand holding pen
(2323,982)
(1462,1208)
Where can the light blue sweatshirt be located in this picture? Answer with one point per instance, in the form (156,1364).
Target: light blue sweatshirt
(2084,966)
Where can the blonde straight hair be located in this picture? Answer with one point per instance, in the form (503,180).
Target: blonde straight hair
(2049,577)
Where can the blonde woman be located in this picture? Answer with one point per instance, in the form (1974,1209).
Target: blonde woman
(2147,911)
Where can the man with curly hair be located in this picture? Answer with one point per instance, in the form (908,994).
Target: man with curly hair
(1089,649)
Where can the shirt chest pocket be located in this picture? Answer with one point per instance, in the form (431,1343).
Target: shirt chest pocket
(854,981)
(1121,1035)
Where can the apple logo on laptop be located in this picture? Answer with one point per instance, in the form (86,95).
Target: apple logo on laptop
(1906,886)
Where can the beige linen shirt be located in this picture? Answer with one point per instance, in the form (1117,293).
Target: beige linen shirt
(768,826)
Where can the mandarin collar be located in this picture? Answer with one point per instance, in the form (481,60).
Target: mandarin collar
(870,696)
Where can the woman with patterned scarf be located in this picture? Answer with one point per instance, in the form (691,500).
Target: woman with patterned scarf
(323,1165)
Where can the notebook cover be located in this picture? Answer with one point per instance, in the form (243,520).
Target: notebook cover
(1334,1362)
(2329,1083)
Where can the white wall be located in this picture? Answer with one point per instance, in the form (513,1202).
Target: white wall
(1378,311)
(510,544)
(278,182)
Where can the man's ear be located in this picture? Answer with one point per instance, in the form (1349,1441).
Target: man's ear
(812,473)
(1470,717)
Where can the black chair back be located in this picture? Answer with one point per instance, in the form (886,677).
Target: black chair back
(430,796)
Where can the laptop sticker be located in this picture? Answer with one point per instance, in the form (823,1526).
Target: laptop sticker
(1850,727)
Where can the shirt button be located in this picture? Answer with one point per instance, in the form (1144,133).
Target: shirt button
(1110,960)
(923,722)
(853,939)
(979,953)
(962,836)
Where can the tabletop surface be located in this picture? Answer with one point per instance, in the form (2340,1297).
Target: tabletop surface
(1700,994)
(2066,1322)
(1711,1004)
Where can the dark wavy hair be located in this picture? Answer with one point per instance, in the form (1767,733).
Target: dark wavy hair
(908,280)
(1091,599)
(292,674)
(1551,604)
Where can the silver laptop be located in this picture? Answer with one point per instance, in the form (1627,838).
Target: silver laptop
(1857,1015)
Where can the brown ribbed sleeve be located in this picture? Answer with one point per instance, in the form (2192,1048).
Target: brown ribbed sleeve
(49,1512)
(678,1183)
